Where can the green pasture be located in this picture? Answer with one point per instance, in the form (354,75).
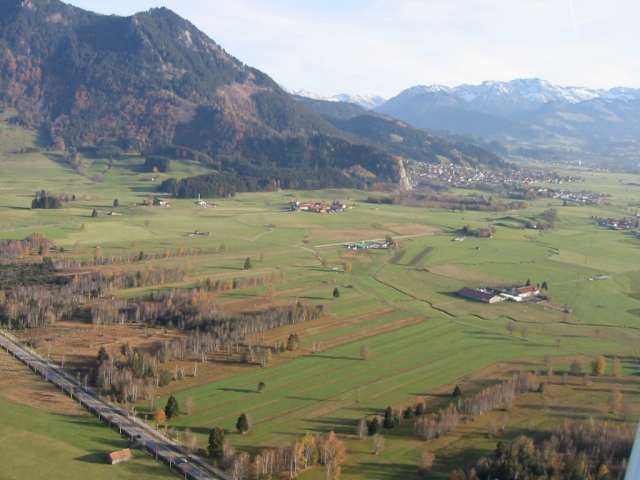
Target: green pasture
(427,339)
(43,445)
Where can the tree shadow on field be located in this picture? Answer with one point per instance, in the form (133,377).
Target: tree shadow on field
(450,294)
(320,269)
(334,357)
(198,430)
(305,399)
(489,335)
(364,410)
(340,426)
(97,457)
(314,298)
(237,390)
(60,161)
(380,471)
(433,395)
(152,188)
(13,207)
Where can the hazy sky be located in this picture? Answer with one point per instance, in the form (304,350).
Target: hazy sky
(385,46)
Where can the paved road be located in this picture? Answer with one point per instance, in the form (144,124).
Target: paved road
(162,448)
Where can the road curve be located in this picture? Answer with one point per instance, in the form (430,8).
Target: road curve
(180,462)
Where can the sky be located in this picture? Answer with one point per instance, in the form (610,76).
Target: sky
(384,46)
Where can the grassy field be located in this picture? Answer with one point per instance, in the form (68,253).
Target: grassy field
(401,305)
(45,435)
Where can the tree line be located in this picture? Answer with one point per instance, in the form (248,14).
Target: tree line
(430,426)
(257,179)
(45,200)
(497,397)
(575,450)
(68,263)
(449,201)
(326,451)
(131,375)
(34,244)
(35,306)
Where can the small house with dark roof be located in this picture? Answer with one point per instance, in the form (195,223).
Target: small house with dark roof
(481,295)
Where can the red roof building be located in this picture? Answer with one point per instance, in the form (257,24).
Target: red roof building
(120,456)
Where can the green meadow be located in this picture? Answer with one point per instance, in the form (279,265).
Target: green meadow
(400,304)
(42,445)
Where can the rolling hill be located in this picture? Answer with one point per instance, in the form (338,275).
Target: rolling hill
(399,137)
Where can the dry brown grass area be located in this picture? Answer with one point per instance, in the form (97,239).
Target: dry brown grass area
(80,342)
(18,384)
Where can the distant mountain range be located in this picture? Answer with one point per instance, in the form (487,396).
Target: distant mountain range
(531,117)
(154,83)
(400,138)
(517,95)
(369,102)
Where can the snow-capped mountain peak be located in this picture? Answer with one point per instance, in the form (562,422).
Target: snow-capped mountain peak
(520,94)
(367,101)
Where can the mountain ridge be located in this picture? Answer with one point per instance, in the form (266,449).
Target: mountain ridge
(531,115)
(369,102)
(545,90)
(154,83)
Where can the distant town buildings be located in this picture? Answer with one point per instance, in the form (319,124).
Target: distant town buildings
(582,198)
(317,207)
(369,245)
(460,176)
(618,223)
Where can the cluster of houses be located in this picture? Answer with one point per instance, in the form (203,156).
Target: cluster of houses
(369,245)
(155,202)
(318,207)
(162,203)
(461,176)
(619,223)
(582,198)
(500,294)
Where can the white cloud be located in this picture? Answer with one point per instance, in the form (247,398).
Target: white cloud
(383,46)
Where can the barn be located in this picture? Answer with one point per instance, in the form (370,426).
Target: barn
(481,295)
(120,456)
